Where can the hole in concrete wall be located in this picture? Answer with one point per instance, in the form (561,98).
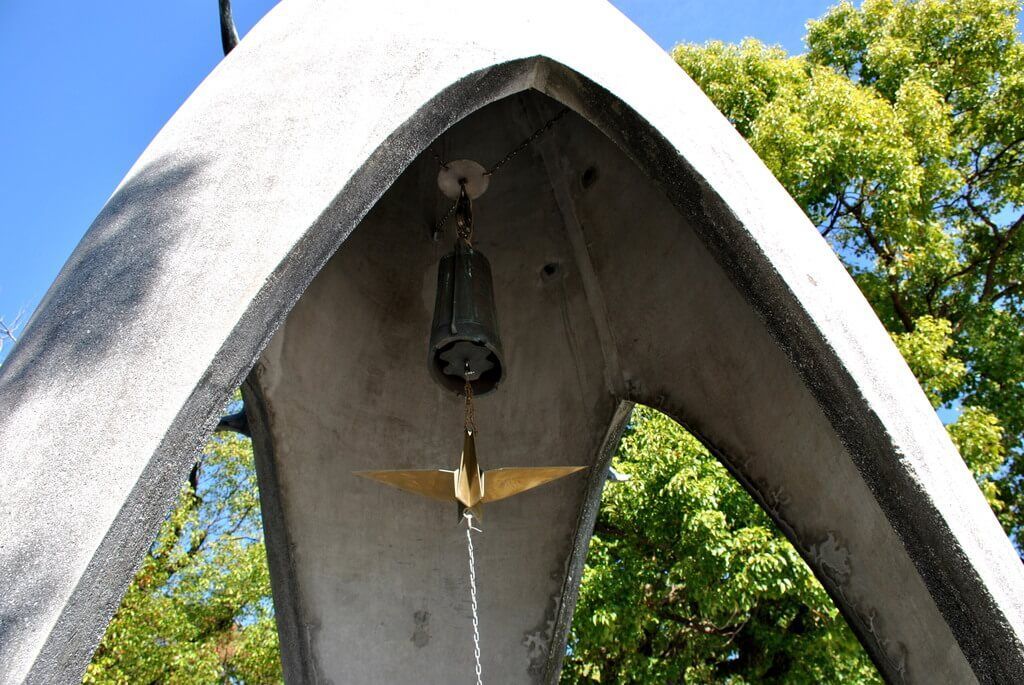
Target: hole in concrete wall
(549,271)
(589,177)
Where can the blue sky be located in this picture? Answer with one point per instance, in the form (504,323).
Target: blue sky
(86,86)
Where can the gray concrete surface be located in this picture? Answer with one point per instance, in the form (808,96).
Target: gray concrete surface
(688,280)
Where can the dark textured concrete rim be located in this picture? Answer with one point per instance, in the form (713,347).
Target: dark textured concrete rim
(581,541)
(297,660)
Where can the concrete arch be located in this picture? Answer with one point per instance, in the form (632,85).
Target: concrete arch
(268,168)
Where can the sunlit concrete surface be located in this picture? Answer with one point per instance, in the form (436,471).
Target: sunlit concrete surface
(280,223)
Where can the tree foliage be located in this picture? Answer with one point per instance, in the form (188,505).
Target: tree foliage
(687,580)
(901,133)
(199,609)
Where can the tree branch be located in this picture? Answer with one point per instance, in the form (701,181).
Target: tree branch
(992,161)
(1004,241)
(8,330)
(886,256)
(833,216)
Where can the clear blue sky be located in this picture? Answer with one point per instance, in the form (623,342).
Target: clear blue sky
(87,84)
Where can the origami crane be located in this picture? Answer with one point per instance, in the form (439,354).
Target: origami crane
(468,486)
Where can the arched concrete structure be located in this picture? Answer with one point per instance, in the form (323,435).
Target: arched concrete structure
(688,280)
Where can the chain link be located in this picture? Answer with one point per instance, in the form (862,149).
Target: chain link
(526,143)
(472,593)
(464,217)
(470,419)
(440,162)
(439,227)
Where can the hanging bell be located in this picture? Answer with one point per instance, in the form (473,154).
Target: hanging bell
(464,342)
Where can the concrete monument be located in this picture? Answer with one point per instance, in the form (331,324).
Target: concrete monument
(278,233)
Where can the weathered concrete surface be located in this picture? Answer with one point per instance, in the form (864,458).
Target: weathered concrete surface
(709,295)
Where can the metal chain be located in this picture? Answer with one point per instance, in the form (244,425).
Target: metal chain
(439,227)
(526,143)
(472,593)
(470,419)
(443,164)
(464,217)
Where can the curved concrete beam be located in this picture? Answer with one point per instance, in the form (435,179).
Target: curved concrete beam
(261,175)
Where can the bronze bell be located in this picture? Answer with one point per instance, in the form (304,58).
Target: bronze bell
(464,342)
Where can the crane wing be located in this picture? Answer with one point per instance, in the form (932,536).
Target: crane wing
(434,483)
(502,483)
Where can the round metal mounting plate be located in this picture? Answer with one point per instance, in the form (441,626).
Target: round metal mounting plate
(454,174)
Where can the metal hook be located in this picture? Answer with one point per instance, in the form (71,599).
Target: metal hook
(464,215)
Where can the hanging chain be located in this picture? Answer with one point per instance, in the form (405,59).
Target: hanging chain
(515,151)
(526,143)
(440,162)
(470,420)
(472,593)
(464,217)
(439,226)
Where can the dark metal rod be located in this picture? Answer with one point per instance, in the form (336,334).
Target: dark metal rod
(228,33)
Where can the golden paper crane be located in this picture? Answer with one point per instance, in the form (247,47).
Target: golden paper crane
(468,486)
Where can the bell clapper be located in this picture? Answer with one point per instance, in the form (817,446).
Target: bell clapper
(469,421)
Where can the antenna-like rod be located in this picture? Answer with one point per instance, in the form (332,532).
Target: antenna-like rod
(228,33)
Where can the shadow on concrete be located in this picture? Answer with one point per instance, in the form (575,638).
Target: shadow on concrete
(107,282)
(106,286)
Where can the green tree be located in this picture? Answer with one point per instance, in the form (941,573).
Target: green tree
(900,132)
(199,609)
(687,580)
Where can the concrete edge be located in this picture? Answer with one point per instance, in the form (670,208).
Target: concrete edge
(589,510)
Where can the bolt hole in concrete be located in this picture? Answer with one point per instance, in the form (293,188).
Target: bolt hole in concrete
(589,177)
(549,270)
